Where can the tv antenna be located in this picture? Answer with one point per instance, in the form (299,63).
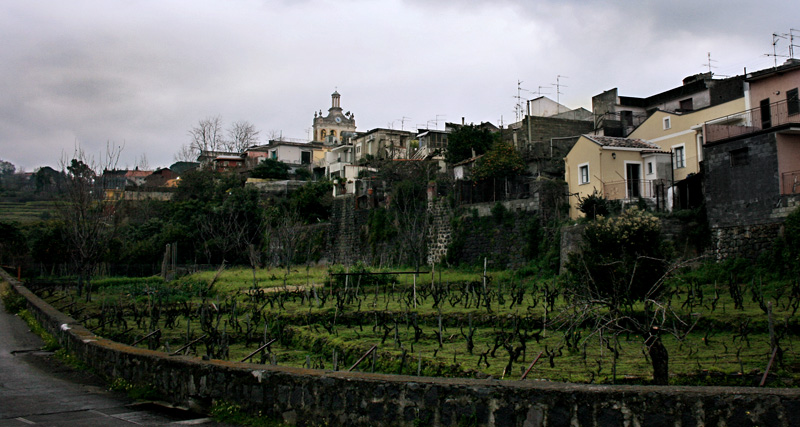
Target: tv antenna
(436,120)
(403,122)
(708,64)
(775,39)
(558,91)
(518,109)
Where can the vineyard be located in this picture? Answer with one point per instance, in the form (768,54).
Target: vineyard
(503,325)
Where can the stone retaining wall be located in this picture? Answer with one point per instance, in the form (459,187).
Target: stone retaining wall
(318,397)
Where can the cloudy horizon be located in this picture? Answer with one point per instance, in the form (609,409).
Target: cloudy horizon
(88,73)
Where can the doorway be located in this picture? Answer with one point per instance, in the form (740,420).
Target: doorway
(633,181)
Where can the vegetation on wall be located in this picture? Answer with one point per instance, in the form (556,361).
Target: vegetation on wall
(500,161)
(468,141)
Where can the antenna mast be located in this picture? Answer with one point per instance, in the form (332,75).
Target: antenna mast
(518,108)
(709,63)
(558,91)
(403,122)
(775,39)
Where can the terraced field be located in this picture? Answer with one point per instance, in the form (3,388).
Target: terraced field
(452,325)
(26,212)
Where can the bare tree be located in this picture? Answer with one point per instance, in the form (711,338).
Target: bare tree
(241,135)
(141,162)
(186,153)
(89,216)
(235,226)
(286,231)
(207,135)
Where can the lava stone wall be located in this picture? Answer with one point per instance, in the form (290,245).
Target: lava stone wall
(743,200)
(346,236)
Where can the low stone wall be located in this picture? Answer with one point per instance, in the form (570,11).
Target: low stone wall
(317,397)
(747,241)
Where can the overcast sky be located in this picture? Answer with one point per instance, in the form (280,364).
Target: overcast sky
(141,73)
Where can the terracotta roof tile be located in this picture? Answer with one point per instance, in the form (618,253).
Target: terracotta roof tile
(610,141)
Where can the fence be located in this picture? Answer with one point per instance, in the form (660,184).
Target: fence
(636,188)
(492,190)
(752,121)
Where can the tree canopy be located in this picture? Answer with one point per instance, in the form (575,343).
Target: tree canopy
(501,161)
(463,141)
(270,168)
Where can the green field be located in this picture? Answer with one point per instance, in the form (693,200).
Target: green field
(26,212)
(312,318)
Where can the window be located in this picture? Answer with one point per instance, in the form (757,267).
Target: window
(274,155)
(740,157)
(667,123)
(305,157)
(583,174)
(680,156)
(687,105)
(792,102)
(649,168)
(323,134)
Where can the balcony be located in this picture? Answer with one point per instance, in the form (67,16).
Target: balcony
(752,121)
(636,188)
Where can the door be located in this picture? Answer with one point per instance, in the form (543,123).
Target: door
(633,174)
(766,114)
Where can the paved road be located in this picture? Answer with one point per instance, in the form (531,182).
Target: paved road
(36,389)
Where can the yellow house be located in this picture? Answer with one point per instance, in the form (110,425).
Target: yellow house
(617,168)
(681,133)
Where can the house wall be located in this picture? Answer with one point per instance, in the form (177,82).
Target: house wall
(605,172)
(545,107)
(680,132)
(766,88)
(584,151)
(744,202)
(789,162)
(545,128)
(292,154)
(743,194)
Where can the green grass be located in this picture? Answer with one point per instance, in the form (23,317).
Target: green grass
(231,413)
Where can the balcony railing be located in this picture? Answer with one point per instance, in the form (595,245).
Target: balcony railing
(752,121)
(790,182)
(636,188)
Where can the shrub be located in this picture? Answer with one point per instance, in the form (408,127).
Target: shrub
(622,257)
(595,205)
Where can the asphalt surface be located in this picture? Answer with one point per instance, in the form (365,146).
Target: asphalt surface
(37,389)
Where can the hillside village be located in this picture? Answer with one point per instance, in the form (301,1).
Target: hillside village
(730,145)
(581,235)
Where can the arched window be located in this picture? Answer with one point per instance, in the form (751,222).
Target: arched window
(333,133)
(322,134)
